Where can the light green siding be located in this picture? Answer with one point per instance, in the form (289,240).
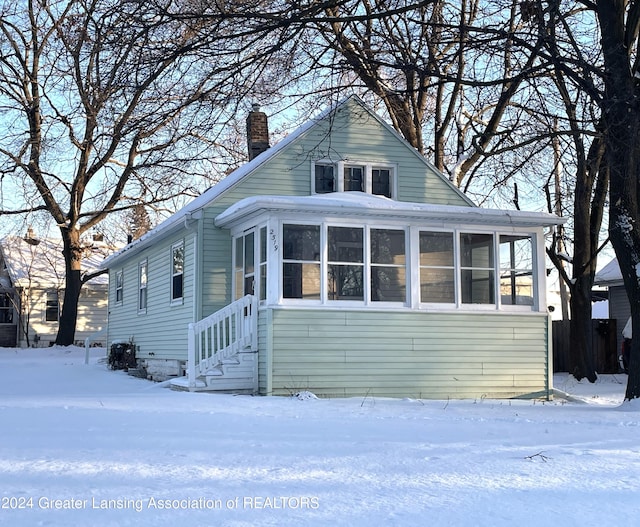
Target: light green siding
(422,355)
(161,332)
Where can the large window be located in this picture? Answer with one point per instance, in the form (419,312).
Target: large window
(52,307)
(516,270)
(177,272)
(437,268)
(346,263)
(388,266)
(477,273)
(301,262)
(346,177)
(142,287)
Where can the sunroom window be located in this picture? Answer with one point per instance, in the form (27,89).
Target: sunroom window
(388,266)
(373,265)
(516,270)
(301,262)
(346,263)
(477,273)
(437,268)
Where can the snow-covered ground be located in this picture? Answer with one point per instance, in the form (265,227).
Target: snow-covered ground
(82,445)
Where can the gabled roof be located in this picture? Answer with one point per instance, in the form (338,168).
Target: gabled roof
(610,274)
(39,262)
(190,211)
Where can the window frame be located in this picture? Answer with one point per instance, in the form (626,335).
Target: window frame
(174,299)
(48,307)
(119,287)
(412,268)
(339,174)
(143,286)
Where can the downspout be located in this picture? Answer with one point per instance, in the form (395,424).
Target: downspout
(197,235)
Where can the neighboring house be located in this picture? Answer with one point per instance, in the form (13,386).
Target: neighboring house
(32,273)
(367,273)
(610,277)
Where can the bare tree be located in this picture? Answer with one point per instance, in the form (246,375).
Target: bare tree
(619,22)
(109,105)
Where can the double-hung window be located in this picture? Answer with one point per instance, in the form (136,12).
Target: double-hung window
(142,287)
(52,307)
(119,286)
(177,272)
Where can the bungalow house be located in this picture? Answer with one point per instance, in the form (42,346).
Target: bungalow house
(32,288)
(338,261)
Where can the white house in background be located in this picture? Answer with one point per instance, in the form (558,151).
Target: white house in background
(338,261)
(32,289)
(610,277)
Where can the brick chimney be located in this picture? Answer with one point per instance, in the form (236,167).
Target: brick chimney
(257,132)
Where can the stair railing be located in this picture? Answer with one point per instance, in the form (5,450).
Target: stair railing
(222,335)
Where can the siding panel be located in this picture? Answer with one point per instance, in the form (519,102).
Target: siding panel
(355,353)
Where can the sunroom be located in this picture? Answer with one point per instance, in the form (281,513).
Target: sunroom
(354,250)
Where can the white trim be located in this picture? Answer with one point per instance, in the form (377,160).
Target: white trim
(412,270)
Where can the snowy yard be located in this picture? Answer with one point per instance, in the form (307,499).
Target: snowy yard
(82,445)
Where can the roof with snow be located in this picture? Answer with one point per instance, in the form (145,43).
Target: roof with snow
(40,263)
(361,204)
(610,274)
(192,210)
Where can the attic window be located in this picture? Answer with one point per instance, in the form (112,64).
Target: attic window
(324,179)
(353,177)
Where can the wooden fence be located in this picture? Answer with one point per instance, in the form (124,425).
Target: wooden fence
(604,345)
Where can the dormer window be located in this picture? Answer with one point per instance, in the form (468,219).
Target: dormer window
(325,181)
(353,177)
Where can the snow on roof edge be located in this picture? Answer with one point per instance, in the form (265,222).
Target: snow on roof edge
(358,202)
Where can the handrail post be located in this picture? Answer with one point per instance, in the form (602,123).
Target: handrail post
(191,356)
(254,323)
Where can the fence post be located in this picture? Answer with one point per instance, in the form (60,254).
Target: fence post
(191,355)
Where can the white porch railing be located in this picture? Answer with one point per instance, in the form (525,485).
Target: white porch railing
(222,335)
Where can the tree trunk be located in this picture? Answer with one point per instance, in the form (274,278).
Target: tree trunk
(581,363)
(72,252)
(622,120)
